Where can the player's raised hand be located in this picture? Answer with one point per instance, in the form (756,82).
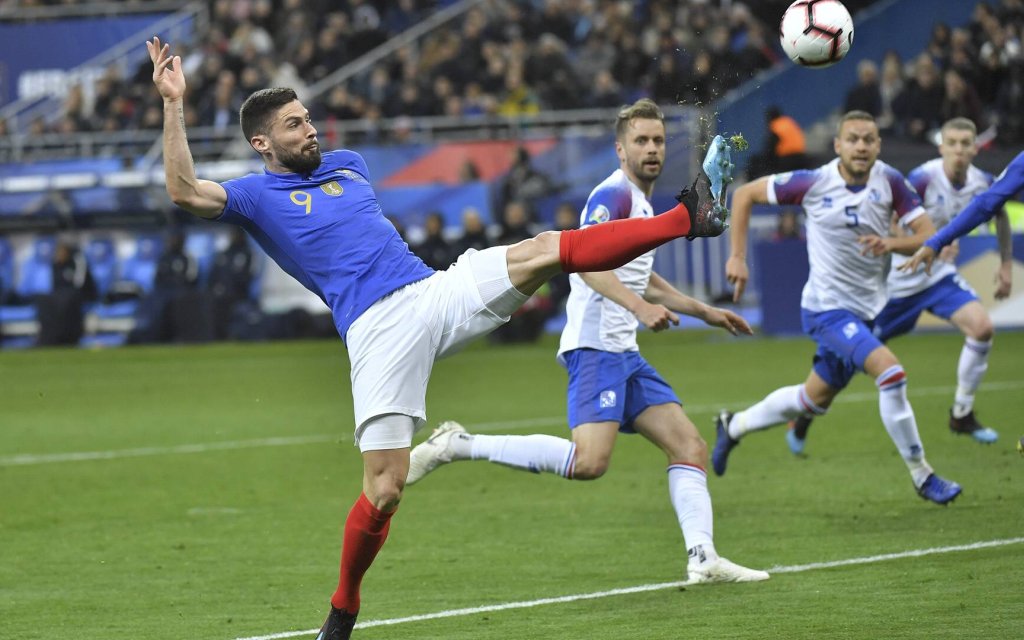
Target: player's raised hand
(167,74)
(737,274)
(924,255)
(873,245)
(728,320)
(656,317)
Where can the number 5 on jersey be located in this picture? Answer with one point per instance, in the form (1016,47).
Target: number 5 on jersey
(851,214)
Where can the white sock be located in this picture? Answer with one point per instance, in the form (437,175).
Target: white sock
(688,491)
(534,453)
(969,372)
(778,406)
(898,417)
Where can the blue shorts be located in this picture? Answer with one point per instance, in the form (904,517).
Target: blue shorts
(612,387)
(844,343)
(943,299)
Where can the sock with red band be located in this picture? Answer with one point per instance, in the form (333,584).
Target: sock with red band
(602,247)
(366,529)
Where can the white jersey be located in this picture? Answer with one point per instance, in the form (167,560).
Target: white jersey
(942,200)
(594,321)
(837,214)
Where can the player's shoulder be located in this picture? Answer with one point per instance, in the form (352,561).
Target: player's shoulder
(252,180)
(922,175)
(611,199)
(977,176)
(345,160)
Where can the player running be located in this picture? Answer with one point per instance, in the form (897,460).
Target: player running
(612,388)
(850,203)
(317,216)
(946,185)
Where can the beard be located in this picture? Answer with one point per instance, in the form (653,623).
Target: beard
(305,161)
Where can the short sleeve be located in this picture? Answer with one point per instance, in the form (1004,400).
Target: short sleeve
(919,180)
(791,187)
(905,199)
(607,203)
(243,195)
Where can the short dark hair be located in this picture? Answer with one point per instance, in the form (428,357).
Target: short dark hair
(644,109)
(259,108)
(853,115)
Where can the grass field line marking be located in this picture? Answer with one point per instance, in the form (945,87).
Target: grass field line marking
(44,458)
(26,459)
(526,604)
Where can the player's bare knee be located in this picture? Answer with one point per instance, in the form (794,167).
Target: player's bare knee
(589,468)
(385,492)
(982,329)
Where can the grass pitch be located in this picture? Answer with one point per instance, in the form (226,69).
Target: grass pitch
(199,493)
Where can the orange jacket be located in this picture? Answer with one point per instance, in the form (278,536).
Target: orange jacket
(791,137)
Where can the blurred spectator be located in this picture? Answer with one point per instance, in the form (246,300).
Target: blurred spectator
(788,226)
(866,96)
(889,88)
(515,225)
(60,311)
(230,280)
(1010,102)
(918,108)
(785,147)
(434,250)
(524,183)
(173,310)
(474,234)
(605,93)
(961,100)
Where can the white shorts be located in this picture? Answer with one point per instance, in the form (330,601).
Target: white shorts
(393,344)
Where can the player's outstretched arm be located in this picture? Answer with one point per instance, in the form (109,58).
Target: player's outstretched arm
(921,228)
(661,292)
(653,316)
(203,198)
(743,202)
(1004,274)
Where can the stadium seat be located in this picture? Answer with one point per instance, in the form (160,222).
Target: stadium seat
(18,323)
(109,322)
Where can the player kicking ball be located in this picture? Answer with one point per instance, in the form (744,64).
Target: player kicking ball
(317,216)
(946,184)
(850,203)
(612,389)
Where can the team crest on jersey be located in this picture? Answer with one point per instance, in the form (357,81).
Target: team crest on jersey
(826,202)
(599,214)
(850,330)
(874,196)
(607,399)
(332,188)
(942,200)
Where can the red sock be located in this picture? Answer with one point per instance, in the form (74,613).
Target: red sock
(608,245)
(366,529)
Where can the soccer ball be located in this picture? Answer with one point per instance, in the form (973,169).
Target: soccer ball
(816,33)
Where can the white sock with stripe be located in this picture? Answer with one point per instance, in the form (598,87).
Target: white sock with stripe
(778,406)
(898,417)
(688,491)
(536,453)
(969,372)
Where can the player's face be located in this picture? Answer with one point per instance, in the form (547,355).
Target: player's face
(641,149)
(292,139)
(957,149)
(858,145)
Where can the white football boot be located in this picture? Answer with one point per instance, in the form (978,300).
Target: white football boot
(721,570)
(434,451)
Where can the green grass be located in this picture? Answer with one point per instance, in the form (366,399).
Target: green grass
(223,544)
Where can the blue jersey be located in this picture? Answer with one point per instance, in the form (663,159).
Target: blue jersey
(327,231)
(984,205)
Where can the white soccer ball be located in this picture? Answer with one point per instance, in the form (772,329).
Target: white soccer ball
(816,33)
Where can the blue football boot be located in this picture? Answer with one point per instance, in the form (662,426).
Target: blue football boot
(969,426)
(723,443)
(705,199)
(939,490)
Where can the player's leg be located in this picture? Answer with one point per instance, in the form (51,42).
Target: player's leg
(812,398)
(601,247)
(899,316)
(898,418)
(974,322)
(668,428)
(368,522)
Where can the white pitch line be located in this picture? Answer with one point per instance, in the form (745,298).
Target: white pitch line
(527,604)
(26,459)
